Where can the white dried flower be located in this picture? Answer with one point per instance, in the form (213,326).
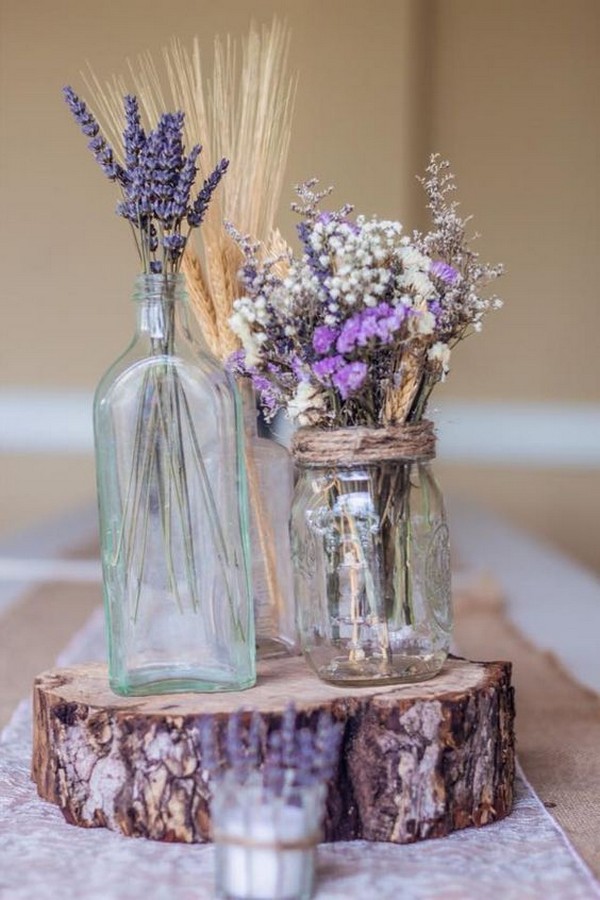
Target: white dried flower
(307,405)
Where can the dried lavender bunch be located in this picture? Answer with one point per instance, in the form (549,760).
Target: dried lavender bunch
(289,758)
(358,329)
(156,182)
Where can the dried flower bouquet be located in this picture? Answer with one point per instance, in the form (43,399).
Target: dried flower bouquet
(359,329)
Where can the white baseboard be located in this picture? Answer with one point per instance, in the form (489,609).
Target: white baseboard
(501,433)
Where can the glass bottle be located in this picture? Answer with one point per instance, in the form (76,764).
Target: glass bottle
(371,572)
(173,507)
(270,476)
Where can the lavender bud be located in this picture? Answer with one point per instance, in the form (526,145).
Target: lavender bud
(208,747)
(103,153)
(198,210)
(288,735)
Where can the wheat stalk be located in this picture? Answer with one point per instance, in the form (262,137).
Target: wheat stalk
(243,112)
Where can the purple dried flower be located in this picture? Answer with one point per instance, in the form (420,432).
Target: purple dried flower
(198,210)
(325,368)
(304,757)
(208,747)
(273,773)
(323,339)
(255,740)
(157,181)
(181,196)
(174,244)
(81,113)
(349,335)
(234,745)
(327,745)
(288,735)
(299,369)
(236,362)
(349,378)
(444,271)
(134,136)
(98,144)
(322,271)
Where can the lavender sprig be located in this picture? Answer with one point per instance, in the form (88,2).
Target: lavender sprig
(102,151)
(291,757)
(198,211)
(156,182)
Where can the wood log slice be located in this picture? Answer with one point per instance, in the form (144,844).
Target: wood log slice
(417,761)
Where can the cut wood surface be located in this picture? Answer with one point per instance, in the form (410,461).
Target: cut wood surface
(417,761)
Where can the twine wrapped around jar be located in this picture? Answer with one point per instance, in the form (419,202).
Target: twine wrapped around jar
(359,445)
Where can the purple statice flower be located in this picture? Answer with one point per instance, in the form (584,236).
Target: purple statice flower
(349,378)
(389,324)
(236,362)
(102,151)
(324,368)
(261,383)
(270,396)
(323,339)
(349,335)
(299,369)
(198,210)
(444,271)
(156,267)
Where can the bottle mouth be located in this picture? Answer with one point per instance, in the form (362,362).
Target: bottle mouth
(169,286)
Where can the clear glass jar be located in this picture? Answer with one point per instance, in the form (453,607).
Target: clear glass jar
(371,572)
(270,475)
(265,845)
(173,508)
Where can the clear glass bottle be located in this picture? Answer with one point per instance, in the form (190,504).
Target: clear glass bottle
(372,572)
(270,476)
(173,508)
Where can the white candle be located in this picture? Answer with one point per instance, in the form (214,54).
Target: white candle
(265,846)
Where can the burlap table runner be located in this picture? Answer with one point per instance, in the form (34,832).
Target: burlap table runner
(558,720)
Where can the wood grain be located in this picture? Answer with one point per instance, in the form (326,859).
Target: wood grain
(417,761)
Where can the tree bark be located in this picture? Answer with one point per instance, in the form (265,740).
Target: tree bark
(417,761)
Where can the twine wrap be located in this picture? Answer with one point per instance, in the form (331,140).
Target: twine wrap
(362,446)
(221,836)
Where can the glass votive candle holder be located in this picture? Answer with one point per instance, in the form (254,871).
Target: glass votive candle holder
(265,842)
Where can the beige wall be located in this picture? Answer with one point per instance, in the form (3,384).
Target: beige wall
(506,88)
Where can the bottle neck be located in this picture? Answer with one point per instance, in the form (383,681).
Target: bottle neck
(161,307)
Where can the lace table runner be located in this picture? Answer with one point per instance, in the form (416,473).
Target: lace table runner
(43,858)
